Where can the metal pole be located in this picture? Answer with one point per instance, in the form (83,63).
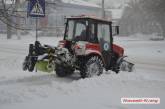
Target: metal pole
(103,10)
(36,28)
(18,19)
(36,31)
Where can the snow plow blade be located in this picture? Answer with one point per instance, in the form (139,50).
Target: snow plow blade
(125,65)
(39,57)
(44,66)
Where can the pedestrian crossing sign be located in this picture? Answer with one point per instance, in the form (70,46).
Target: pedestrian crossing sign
(36,8)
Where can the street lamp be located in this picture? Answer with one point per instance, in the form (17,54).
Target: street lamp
(103,10)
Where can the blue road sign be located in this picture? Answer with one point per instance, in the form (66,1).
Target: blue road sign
(36,8)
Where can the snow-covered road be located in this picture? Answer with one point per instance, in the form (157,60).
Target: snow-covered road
(31,90)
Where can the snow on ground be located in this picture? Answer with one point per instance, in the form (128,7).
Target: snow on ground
(31,90)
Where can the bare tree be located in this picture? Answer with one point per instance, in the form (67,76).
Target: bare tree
(7,13)
(5,17)
(156,8)
(143,16)
(133,19)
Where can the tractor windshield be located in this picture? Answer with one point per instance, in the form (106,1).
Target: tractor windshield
(76,30)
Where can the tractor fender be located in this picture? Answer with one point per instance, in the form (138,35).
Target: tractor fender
(94,52)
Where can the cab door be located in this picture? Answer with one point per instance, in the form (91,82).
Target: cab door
(103,34)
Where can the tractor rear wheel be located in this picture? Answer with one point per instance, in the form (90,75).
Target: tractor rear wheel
(93,66)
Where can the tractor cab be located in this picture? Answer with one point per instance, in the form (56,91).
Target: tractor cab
(88,29)
(94,34)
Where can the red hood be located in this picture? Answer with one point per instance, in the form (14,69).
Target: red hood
(118,50)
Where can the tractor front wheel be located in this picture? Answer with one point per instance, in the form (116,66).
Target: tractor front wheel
(60,71)
(63,71)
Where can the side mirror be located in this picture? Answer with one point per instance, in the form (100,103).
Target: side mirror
(65,20)
(117,30)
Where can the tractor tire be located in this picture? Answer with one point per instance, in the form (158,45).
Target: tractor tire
(93,67)
(60,71)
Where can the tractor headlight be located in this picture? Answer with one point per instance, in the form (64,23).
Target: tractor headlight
(61,44)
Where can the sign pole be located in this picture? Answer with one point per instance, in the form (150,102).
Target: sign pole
(36,28)
(36,8)
(36,32)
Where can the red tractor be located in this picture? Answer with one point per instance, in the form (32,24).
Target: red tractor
(87,46)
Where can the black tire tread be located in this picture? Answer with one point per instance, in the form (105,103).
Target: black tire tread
(88,62)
